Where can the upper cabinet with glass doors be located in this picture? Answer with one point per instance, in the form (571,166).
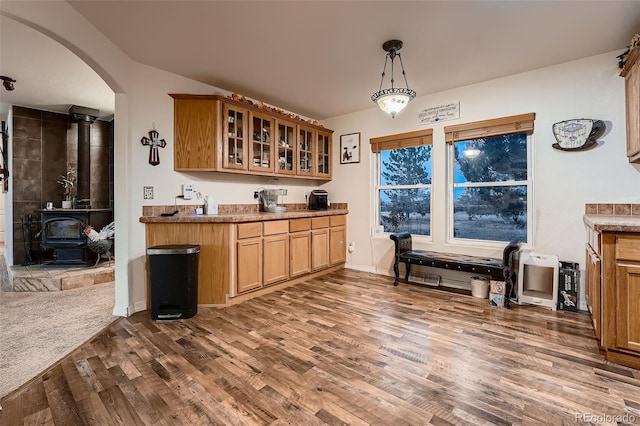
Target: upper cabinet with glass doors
(285,147)
(323,148)
(235,150)
(261,131)
(306,151)
(216,133)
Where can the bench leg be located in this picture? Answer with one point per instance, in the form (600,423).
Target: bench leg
(408,270)
(396,271)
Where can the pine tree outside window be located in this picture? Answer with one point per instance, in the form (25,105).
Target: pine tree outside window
(404,184)
(490,184)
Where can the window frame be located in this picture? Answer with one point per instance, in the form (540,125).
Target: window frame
(479,130)
(400,141)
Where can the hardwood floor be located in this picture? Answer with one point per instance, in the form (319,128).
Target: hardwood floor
(344,348)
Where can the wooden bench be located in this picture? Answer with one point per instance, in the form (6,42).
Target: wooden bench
(497,269)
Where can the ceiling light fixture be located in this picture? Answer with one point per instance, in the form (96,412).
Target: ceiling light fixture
(394,99)
(7,82)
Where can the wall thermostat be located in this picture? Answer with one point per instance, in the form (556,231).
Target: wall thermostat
(187,191)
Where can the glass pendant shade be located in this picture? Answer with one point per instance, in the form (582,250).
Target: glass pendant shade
(394,99)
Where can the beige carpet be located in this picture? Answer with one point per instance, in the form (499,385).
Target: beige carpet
(39,328)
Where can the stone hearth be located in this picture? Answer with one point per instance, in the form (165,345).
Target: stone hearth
(55,278)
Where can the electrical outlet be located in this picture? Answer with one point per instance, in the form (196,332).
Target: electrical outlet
(352,246)
(148,192)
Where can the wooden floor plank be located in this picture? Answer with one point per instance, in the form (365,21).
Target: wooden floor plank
(344,348)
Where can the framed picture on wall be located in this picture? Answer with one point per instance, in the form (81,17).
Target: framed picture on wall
(350,148)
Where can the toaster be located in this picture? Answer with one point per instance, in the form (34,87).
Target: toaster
(318,199)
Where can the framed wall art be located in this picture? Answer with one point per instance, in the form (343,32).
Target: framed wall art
(350,148)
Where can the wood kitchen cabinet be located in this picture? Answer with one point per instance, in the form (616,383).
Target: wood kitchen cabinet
(631,74)
(319,243)
(628,292)
(300,247)
(261,131)
(306,151)
(249,261)
(194,134)
(592,290)
(337,239)
(239,260)
(215,133)
(613,293)
(286,156)
(323,158)
(276,251)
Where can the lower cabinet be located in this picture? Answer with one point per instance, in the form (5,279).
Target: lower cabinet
(319,249)
(276,258)
(300,253)
(613,295)
(249,261)
(271,252)
(592,288)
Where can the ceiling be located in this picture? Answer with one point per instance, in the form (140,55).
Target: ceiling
(324,58)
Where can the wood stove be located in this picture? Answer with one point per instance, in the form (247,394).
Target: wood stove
(63,231)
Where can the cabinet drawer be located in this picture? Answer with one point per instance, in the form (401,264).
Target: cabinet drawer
(276,227)
(248,230)
(319,222)
(296,225)
(338,220)
(628,247)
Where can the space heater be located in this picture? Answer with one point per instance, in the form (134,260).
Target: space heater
(538,280)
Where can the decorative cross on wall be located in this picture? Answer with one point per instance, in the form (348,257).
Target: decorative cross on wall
(154,143)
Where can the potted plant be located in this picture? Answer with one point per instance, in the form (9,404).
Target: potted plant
(67,181)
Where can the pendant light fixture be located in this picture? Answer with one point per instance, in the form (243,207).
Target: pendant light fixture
(394,99)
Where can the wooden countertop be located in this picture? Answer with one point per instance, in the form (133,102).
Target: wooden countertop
(241,217)
(610,223)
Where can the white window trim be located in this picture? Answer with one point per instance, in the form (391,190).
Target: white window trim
(420,238)
(463,242)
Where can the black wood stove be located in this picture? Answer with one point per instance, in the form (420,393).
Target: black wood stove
(63,231)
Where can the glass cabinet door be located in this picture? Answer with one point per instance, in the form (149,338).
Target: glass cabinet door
(286,148)
(234,137)
(324,154)
(262,134)
(305,151)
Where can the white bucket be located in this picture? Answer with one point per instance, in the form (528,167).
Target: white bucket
(480,287)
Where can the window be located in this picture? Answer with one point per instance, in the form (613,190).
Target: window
(490,179)
(404,182)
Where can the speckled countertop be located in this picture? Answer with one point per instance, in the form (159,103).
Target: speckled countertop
(612,217)
(240,217)
(606,223)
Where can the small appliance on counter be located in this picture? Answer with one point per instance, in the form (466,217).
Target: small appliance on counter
(269,199)
(318,200)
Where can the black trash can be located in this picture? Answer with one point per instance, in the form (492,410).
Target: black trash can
(173,281)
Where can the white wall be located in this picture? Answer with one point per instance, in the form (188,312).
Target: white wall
(563,181)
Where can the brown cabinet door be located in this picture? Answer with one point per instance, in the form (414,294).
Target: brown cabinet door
(286,142)
(337,245)
(249,262)
(319,248)
(632,90)
(276,259)
(306,151)
(261,136)
(628,307)
(300,249)
(323,148)
(235,150)
(593,289)
(194,134)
